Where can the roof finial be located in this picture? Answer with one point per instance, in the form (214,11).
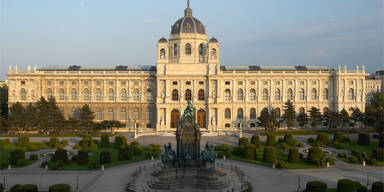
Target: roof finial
(188,3)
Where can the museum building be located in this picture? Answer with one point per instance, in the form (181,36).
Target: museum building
(188,69)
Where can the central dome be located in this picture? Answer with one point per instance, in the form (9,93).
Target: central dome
(188,24)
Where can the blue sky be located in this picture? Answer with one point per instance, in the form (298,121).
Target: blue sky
(251,32)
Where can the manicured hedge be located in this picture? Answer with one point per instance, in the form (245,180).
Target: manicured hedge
(293,156)
(60,154)
(378,187)
(243,141)
(255,140)
(381,140)
(54,142)
(316,186)
(288,139)
(120,141)
(378,154)
(16,155)
(269,155)
(364,139)
(1,187)
(316,156)
(105,157)
(271,140)
(104,140)
(346,185)
(249,152)
(60,188)
(322,139)
(24,188)
(125,153)
(23,141)
(83,157)
(338,136)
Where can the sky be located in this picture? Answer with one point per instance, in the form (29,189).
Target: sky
(250,32)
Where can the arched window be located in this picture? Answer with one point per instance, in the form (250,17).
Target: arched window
(99,95)
(290,94)
(111,114)
(227,113)
(252,113)
(49,93)
(240,113)
(99,114)
(325,94)
(240,95)
(278,112)
(149,95)
(252,95)
(201,50)
(136,114)
(265,95)
(301,95)
(201,95)
(162,54)
(277,95)
(175,50)
(23,94)
(61,94)
(111,95)
(351,94)
(302,110)
(228,96)
(124,96)
(175,95)
(314,94)
(188,49)
(188,95)
(86,95)
(74,94)
(136,95)
(123,114)
(213,54)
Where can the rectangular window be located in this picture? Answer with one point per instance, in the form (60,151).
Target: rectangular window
(302,82)
(201,82)
(325,82)
(174,83)
(227,83)
(289,82)
(98,82)
(85,82)
(61,82)
(22,82)
(240,83)
(227,125)
(277,82)
(253,125)
(149,125)
(73,82)
(253,83)
(313,82)
(123,83)
(188,83)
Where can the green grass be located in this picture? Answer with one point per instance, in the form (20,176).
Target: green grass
(352,145)
(281,156)
(95,157)
(6,149)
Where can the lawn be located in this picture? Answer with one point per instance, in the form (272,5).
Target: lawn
(6,149)
(281,156)
(95,157)
(352,145)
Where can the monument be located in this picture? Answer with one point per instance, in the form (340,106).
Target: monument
(188,168)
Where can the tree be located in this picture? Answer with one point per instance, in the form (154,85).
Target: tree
(357,115)
(303,119)
(56,116)
(268,119)
(104,125)
(289,114)
(333,119)
(30,116)
(16,118)
(3,125)
(4,101)
(344,117)
(71,124)
(86,118)
(43,115)
(378,100)
(315,116)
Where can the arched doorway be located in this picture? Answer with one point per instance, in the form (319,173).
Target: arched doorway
(201,118)
(175,117)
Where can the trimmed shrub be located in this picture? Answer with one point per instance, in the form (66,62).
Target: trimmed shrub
(364,139)
(1,187)
(381,140)
(137,149)
(310,140)
(105,157)
(87,143)
(120,141)
(346,185)
(338,136)
(60,188)
(316,156)
(372,161)
(64,142)
(21,162)
(281,165)
(322,139)
(23,141)
(243,141)
(4,164)
(316,186)
(104,140)
(288,138)
(16,155)
(339,145)
(125,153)
(255,154)
(54,142)
(222,150)
(293,156)
(15,188)
(300,145)
(83,157)
(378,187)
(360,187)
(74,157)
(269,155)
(249,151)
(354,159)
(239,150)
(331,160)
(271,140)
(54,165)
(29,188)
(255,140)
(378,154)
(33,157)
(60,154)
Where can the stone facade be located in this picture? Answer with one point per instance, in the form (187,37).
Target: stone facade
(188,68)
